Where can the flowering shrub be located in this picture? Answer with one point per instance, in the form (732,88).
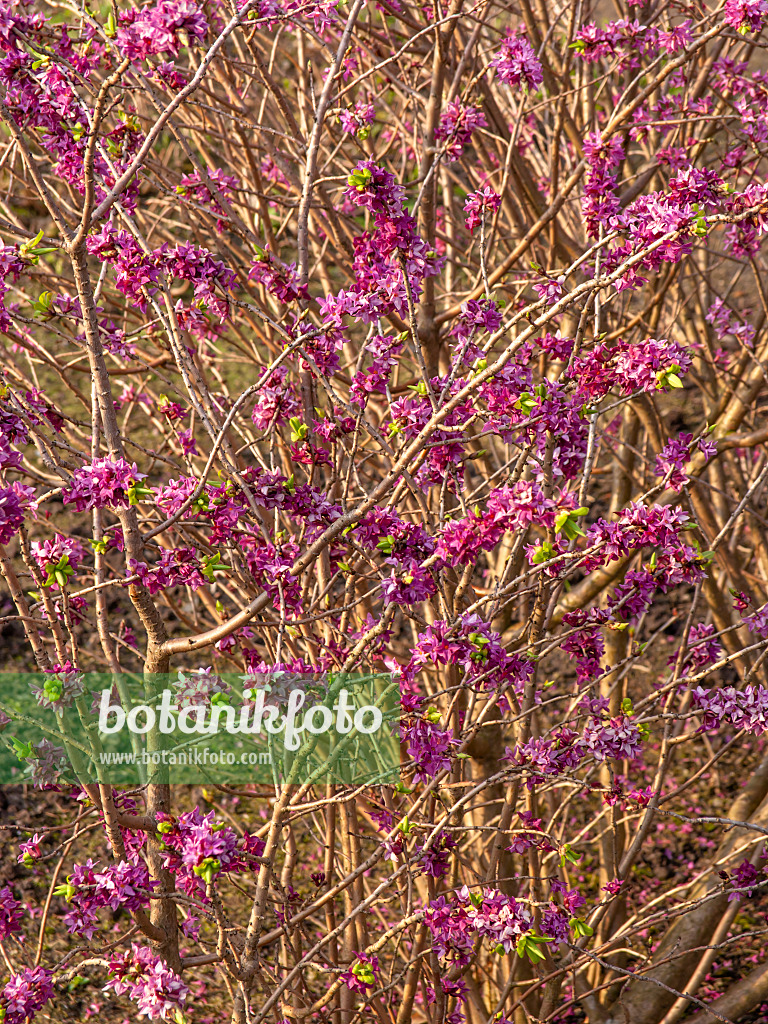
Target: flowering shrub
(423,339)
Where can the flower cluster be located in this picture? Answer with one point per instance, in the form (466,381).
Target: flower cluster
(429,746)
(600,205)
(655,365)
(58,558)
(197,848)
(745,15)
(745,709)
(458,123)
(455,923)
(362,974)
(357,120)
(507,509)
(475,649)
(141,975)
(210,191)
(139,273)
(11,913)
(158,29)
(483,202)
(516,63)
(25,994)
(278,278)
(89,889)
(105,483)
(60,689)
(618,738)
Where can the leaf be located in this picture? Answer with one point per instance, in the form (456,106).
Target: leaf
(22,750)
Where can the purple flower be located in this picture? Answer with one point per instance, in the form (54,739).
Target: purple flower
(745,876)
(436,860)
(508,508)
(279,279)
(409,585)
(188,443)
(457,124)
(603,156)
(640,366)
(276,401)
(59,690)
(25,994)
(47,762)
(452,931)
(745,709)
(196,689)
(488,915)
(429,746)
(145,979)
(357,120)
(671,460)
(550,289)
(29,850)
(64,553)
(485,200)
(383,352)
(554,922)
(197,849)
(707,447)
(618,738)
(169,75)
(745,15)
(87,891)
(11,914)
(593,43)
(704,647)
(15,501)
(482,315)
(758,622)
(104,483)
(676,38)
(125,884)
(157,30)
(193,186)
(587,648)
(517,63)
(376,189)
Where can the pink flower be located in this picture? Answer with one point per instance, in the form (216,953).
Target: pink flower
(745,15)
(517,63)
(156,30)
(11,914)
(486,201)
(15,501)
(145,979)
(104,483)
(457,124)
(25,994)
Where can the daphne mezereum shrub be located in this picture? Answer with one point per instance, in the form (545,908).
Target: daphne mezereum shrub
(427,341)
